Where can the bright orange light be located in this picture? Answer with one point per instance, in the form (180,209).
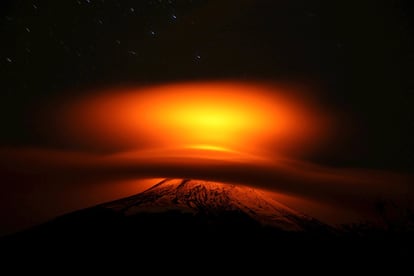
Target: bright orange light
(217,116)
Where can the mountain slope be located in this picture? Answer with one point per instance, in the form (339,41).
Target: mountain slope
(192,220)
(213,199)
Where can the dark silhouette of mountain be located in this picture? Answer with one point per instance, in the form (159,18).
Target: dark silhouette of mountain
(196,218)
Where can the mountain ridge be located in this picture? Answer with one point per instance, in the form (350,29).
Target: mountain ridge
(199,197)
(180,219)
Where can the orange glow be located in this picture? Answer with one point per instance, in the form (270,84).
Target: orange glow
(217,116)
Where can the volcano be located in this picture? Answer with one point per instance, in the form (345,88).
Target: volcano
(211,201)
(196,219)
(177,212)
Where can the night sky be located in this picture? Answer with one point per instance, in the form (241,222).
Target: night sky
(357,58)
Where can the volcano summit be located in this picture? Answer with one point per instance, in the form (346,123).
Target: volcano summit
(212,200)
(179,212)
(198,218)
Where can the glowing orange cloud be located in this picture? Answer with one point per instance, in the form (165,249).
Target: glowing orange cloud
(216,116)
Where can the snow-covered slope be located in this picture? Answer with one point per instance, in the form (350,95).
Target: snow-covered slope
(212,199)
